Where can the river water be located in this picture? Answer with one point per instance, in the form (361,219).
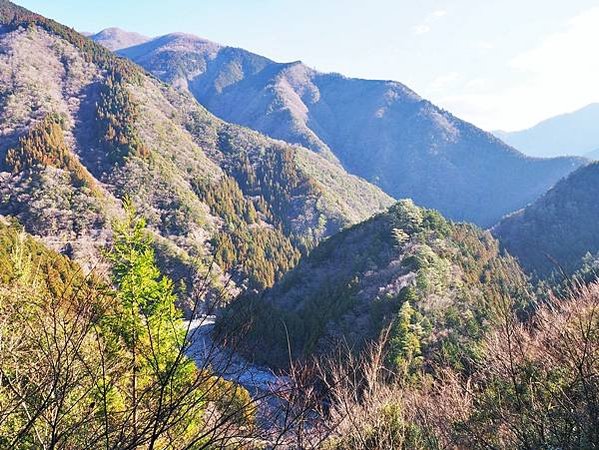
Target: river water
(229,365)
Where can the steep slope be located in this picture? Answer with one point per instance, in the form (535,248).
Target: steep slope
(20,252)
(81,129)
(379,130)
(575,133)
(116,39)
(559,229)
(434,282)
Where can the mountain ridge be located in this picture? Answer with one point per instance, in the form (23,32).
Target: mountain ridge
(572,133)
(555,233)
(115,38)
(360,282)
(83,129)
(380,130)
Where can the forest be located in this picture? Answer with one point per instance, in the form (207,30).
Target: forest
(201,248)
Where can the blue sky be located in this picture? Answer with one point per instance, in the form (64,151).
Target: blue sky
(499,64)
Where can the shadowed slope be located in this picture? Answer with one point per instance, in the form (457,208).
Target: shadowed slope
(379,130)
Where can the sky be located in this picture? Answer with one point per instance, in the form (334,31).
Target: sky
(499,64)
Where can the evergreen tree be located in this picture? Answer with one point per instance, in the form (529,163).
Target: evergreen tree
(147,320)
(405,352)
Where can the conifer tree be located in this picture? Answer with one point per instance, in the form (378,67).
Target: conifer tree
(148,321)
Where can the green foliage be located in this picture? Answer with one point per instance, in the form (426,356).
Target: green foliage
(400,236)
(438,290)
(553,234)
(536,385)
(44,145)
(116,117)
(405,352)
(86,366)
(288,334)
(276,178)
(587,273)
(407,216)
(246,243)
(433,270)
(23,258)
(148,322)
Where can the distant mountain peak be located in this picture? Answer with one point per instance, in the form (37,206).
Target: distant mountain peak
(114,38)
(185,41)
(171,43)
(185,36)
(103,129)
(114,31)
(554,233)
(571,133)
(377,129)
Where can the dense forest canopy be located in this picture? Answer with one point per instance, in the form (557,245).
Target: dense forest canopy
(558,231)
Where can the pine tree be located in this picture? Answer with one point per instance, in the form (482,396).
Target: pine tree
(148,322)
(405,350)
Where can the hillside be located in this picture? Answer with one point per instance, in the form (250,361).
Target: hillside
(87,349)
(593,155)
(573,133)
(20,253)
(81,129)
(171,280)
(559,229)
(116,39)
(436,283)
(379,130)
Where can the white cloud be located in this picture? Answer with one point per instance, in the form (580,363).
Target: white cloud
(485,110)
(477,84)
(425,26)
(444,82)
(484,45)
(421,29)
(560,74)
(574,48)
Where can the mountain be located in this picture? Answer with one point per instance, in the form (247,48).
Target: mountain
(379,130)
(17,249)
(405,265)
(594,155)
(81,130)
(575,133)
(558,230)
(116,39)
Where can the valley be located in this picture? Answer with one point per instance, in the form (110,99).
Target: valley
(203,248)
(381,130)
